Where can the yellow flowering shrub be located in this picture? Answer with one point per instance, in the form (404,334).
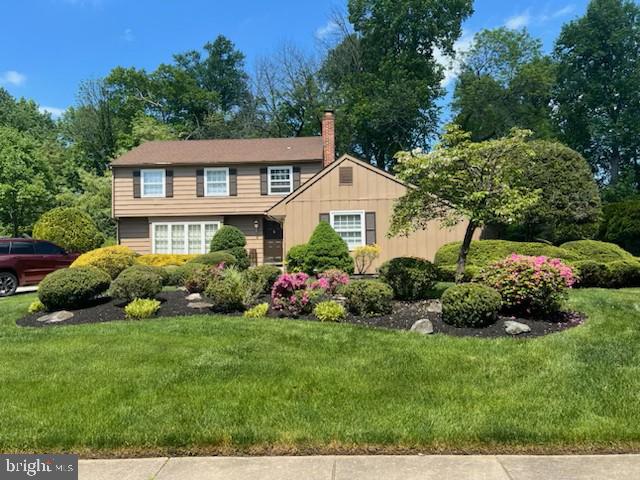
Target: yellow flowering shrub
(364,257)
(164,259)
(112,260)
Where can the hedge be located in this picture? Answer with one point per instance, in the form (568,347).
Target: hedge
(597,251)
(112,260)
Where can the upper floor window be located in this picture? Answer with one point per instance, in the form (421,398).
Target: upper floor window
(280,180)
(153,183)
(216,182)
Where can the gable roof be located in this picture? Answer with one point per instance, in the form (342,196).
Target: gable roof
(207,152)
(325,171)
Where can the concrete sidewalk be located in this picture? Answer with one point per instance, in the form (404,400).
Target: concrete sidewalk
(472,467)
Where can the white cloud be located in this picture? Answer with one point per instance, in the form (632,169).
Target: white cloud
(563,12)
(11,77)
(518,21)
(452,65)
(54,111)
(327,30)
(128,35)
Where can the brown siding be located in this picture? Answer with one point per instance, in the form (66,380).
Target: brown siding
(254,238)
(185,201)
(135,234)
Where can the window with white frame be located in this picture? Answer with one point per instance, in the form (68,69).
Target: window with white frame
(216,182)
(280,180)
(350,226)
(183,237)
(153,183)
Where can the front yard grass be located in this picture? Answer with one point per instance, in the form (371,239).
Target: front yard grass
(214,384)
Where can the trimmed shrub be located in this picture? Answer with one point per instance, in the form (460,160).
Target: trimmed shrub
(592,274)
(329,311)
(291,294)
(447,273)
(69,228)
(410,278)
(226,290)
(141,308)
(327,250)
(164,259)
(112,260)
(259,311)
(529,285)
(161,272)
(174,275)
(232,240)
(36,306)
(295,258)
(264,276)
(70,288)
(364,257)
(597,251)
(368,297)
(136,282)
(470,305)
(215,258)
(621,225)
(330,281)
(197,277)
(624,274)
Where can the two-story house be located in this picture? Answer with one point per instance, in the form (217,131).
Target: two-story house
(172,196)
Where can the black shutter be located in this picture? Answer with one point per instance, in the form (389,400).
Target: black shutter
(200,182)
(264,187)
(370,227)
(233,182)
(296,177)
(168,177)
(136,184)
(324,217)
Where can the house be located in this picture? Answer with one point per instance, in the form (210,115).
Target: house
(172,196)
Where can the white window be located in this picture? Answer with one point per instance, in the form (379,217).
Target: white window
(280,180)
(179,237)
(153,183)
(216,182)
(350,226)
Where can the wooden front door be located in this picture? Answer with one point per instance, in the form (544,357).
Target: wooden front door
(272,242)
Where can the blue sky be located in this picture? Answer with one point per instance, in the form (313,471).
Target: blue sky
(49,46)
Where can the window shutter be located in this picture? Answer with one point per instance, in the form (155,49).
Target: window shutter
(233,182)
(296,177)
(370,227)
(324,217)
(264,187)
(136,184)
(200,182)
(168,177)
(346,176)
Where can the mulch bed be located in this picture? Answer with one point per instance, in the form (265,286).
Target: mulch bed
(404,315)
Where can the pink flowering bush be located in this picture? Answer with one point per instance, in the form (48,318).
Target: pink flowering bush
(529,285)
(290,294)
(330,281)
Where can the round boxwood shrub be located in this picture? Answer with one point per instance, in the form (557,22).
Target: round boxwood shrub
(592,274)
(327,250)
(69,228)
(136,282)
(368,297)
(72,287)
(597,251)
(470,305)
(621,225)
(214,258)
(624,273)
(232,240)
(112,260)
(410,278)
(295,258)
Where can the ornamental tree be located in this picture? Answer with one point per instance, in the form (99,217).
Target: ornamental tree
(461,180)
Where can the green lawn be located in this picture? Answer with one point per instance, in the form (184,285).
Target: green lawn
(221,385)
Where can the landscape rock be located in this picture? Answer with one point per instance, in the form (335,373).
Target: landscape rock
(434,306)
(516,328)
(424,326)
(194,297)
(56,317)
(200,305)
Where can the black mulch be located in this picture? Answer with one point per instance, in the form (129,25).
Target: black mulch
(404,315)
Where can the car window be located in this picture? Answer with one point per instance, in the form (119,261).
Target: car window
(4,248)
(21,248)
(46,248)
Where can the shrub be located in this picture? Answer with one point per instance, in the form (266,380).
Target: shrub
(259,311)
(331,280)
(290,294)
(197,276)
(215,258)
(164,259)
(226,290)
(447,273)
(174,276)
(621,225)
(263,275)
(242,258)
(368,297)
(364,257)
(69,228)
(470,305)
(161,272)
(136,282)
(624,273)
(529,285)
(597,251)
(141,308)
(112,260)
(326,250)
(36,306)
(295,258)
(592,274)
(231,239)
(410,278)
(329,311)
(72,287)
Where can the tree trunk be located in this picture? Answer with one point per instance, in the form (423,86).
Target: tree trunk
(464,251)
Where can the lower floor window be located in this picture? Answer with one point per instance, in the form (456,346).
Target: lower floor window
(191,237)
(350,226)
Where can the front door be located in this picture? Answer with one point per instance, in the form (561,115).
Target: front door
(272,242)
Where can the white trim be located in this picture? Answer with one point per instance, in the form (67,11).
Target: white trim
(206,183)
(363,227)
(164,182)
(203,243)
(282,167)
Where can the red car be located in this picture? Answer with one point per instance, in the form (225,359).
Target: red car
(24,262)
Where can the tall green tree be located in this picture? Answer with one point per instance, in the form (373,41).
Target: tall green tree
(505,81)
(598,88)
(23,115)
(384,77)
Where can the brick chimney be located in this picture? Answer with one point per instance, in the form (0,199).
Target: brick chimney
(328,137)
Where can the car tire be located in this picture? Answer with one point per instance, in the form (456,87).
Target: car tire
(8,284)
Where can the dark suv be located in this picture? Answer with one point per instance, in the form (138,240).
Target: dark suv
(24,262)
